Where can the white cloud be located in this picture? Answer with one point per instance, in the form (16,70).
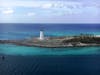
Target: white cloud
(71,4)
(62,7)
(31,14)
(69,9)
(47,5)
(7,11)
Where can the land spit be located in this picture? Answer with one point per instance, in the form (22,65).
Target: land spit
(56,42)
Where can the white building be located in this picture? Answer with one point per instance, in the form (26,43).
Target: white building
(41,35)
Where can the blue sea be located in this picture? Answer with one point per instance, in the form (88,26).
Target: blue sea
(22,60)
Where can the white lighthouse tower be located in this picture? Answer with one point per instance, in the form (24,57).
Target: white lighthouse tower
(41,35)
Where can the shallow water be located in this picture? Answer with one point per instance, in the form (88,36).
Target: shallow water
(23,50)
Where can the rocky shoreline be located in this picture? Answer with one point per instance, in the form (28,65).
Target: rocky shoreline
(54,42)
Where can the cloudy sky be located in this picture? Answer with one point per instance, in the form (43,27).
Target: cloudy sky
(49,11)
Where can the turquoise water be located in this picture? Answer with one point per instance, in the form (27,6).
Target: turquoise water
(22,31)
(22,50)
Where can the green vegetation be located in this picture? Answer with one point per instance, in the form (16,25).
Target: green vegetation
(84,38)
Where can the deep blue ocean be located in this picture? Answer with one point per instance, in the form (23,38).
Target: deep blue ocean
(21,60)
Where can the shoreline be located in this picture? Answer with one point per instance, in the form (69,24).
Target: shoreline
(51,42)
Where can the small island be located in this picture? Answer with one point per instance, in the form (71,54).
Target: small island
(82,40)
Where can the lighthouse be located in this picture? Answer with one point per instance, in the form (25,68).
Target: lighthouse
(41,35)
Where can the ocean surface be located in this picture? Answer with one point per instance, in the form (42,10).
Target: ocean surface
(21,60)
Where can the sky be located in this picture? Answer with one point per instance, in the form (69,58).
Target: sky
(49,11)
